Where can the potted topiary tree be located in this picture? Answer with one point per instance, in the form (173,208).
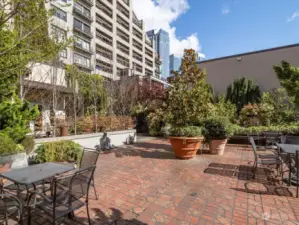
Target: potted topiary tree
(188,101)
(216,131)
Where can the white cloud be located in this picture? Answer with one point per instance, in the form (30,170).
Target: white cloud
(294,16)
(225,10)
(159,14)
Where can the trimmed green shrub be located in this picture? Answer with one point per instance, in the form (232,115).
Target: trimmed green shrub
(256,130)
(28,144)
(8,146)
(217,129)
(188,131)
(59,151)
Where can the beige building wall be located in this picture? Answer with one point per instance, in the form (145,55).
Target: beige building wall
(257,66)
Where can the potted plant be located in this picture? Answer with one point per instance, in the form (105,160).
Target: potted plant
(12,155)
(216,131)
(188,101)
(185,141)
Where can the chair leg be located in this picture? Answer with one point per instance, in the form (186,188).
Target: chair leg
(254,169)
(94,189)
(88,216)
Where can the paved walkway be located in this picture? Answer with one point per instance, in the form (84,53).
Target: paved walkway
(145,184)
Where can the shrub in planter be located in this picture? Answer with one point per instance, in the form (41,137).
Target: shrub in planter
(185,141)
(59,151)
(28,144)
(11,154)
(188,101)
(216,131)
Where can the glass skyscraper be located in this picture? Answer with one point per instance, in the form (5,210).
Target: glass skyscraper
(174,63)
(161,40)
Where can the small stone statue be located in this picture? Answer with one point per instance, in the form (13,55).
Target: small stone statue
(105,143)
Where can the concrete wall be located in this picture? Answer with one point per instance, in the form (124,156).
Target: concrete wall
(257,66)
(118,138)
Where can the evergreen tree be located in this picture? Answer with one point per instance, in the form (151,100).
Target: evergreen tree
(243,92)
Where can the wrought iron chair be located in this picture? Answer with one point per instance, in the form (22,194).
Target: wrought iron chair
(10,205)
(65,199)
(264,159)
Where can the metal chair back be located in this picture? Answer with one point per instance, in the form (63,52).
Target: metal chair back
(251,141)
(294,140)
(77,188)
(89,158)
(297,173)
(9,205)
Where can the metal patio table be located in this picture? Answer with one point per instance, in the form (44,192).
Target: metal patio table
(31,175)
(290,150)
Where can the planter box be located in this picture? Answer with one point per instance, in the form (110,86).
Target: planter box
(15,161)
(118,138)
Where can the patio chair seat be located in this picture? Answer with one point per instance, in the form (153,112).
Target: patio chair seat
(62,208)
(8,204)
(267,156)
(269,161)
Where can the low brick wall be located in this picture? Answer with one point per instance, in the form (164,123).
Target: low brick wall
(118,138)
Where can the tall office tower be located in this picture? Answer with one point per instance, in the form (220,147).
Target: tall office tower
(161,45)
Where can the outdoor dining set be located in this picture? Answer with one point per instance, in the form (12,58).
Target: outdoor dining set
(51,190)
(284,155)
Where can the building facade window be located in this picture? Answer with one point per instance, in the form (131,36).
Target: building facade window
(60,14)
(63,53)
(82,43)
(58,34)
(81,60)
(82,9)
(81,26)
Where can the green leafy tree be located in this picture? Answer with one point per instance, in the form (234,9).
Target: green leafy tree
(289,79)
(24,41)
(243,92)
(277,107)
(188,98)
(15,117)
(90,86)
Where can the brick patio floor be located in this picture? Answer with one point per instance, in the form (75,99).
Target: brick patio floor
(145,184)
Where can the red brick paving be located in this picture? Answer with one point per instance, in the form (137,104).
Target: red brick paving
(145,184)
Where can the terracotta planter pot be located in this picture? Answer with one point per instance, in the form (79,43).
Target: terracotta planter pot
(185,147)
(217,146)
(64,131)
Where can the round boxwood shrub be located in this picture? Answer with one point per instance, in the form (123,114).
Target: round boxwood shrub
(187,131)
(217,129)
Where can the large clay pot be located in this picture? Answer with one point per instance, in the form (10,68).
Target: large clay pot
(185,147)
(64,131)
(217,146)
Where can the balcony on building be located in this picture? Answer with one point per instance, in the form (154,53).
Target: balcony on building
(148,42)
(84,14)
(83,49)
(127,2)
(137,22)
(82,66)
(105,9)
(87,2)
(82,28)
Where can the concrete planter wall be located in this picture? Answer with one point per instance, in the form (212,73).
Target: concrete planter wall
(15,161)
(118,138)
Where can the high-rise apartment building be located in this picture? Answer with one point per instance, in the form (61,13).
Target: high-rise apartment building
(109,39)
(174,63)
(161,42)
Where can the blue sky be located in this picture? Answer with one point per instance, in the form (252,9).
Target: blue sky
(226,27)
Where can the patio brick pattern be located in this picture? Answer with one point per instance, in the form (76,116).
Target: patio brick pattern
(145,184)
